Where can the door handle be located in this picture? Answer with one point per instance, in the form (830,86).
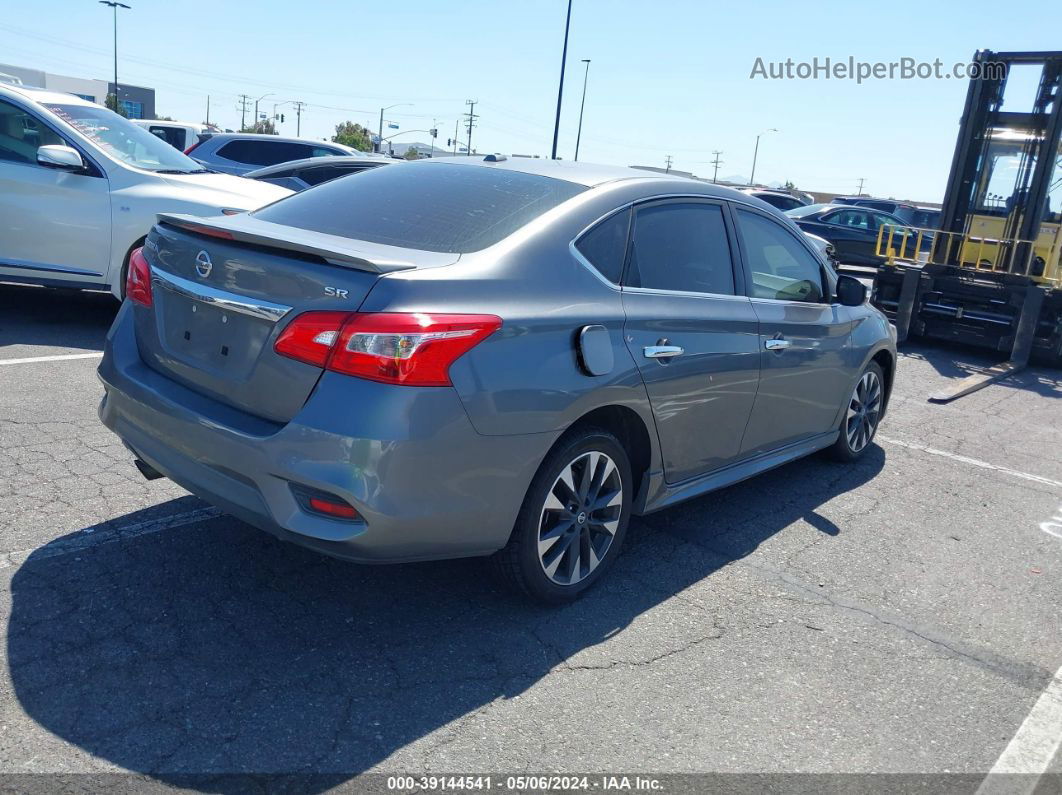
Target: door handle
(662,351)
(777,344)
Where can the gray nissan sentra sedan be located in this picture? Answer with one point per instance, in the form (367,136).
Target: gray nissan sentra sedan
(481,356)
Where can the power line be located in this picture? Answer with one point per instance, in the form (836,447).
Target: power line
(243,80)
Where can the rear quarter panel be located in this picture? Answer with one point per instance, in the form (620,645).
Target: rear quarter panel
(527,377)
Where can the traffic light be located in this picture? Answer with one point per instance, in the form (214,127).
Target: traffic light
(449,141)
(434,132)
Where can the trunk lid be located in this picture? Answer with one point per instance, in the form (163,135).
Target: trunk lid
(224,288)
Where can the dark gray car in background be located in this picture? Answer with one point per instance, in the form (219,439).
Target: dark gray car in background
(471,357)
(239,153)
(299,175)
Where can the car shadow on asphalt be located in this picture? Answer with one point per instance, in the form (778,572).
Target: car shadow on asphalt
(59,318)
(211,649)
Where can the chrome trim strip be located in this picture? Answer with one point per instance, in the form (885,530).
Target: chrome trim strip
(40,266)
(266,310)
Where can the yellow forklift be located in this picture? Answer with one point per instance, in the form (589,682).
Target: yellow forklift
(991,274)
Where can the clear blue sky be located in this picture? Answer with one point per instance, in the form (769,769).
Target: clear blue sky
(670,77)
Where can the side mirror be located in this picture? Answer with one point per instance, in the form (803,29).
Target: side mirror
(851,291)
(64,158)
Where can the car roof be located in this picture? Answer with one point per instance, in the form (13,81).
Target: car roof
(196,124)
(338,160)
(44,95)
(267,137)
(768,191)
(830,207)
(588,174)
(897,202)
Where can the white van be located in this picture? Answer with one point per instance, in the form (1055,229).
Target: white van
(181,135)
(80,187)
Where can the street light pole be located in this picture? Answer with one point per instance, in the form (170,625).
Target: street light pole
(115,5)
(255,121)
(582,105)
(756,152)
(560,88)
(379,134)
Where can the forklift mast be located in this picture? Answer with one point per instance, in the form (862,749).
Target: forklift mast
(984,113)
(990,274)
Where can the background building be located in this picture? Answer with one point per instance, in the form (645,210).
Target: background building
(138,102)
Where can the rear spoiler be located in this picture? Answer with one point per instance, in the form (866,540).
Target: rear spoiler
(243,228)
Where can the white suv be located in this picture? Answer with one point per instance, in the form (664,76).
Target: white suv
(80,187)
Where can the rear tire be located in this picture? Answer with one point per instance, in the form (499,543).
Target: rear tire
(862,415)
(573,519)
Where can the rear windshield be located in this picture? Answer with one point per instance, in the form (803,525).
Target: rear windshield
(444,207)
(809,209)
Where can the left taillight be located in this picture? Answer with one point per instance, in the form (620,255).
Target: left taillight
(138,278)
(408,348)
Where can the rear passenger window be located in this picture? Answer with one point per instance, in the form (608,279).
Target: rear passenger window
(681,246)
(605,246)
(264,153)
(782,268)
(171,135)
(319,174)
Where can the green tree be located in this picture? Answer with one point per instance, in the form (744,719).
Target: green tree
(263,126)
(354,135)
(112,103)
(411,154)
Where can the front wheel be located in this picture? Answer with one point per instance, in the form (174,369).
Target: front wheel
(862,415)
(573,519)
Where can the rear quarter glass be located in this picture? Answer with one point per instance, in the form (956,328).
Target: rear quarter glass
(440,207)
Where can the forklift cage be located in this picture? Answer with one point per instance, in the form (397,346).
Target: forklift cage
(906,245)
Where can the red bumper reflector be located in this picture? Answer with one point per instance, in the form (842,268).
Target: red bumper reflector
(333,508)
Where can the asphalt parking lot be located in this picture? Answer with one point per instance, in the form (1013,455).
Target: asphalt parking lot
(902,615)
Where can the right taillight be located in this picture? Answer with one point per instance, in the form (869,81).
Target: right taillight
(138,278)
(414,348)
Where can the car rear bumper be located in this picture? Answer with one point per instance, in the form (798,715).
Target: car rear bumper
(427,485)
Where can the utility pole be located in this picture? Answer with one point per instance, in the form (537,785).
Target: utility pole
(667,160)
(560,88)
(244,102)
(298,117)
(208,110)
(115,6)
(861,181)
(457,127)
(434,132)
(582,105)
(471,121)
(716,163)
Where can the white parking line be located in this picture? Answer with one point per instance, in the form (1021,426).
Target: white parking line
(1030,751)
(62,357)
(971,461)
